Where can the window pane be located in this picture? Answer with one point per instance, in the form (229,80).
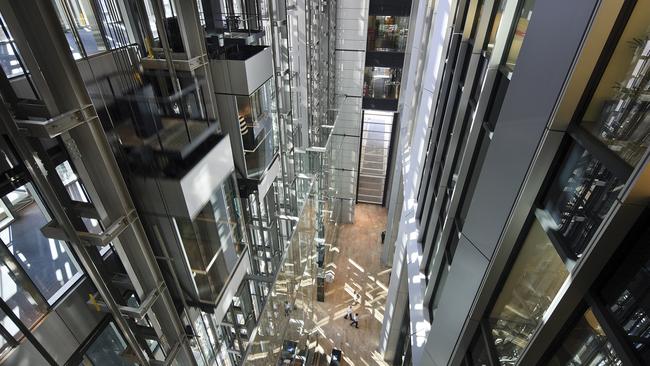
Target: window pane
(618,112)
(474,22)
(113,24)
(67,30)
(87,26)
(9,60)
(84,22)
(519,33)
(152,18)
(28,309)
(627,296)
(387,33)
(209,244)
(535,278)
(8,56)
(107,348)
(381,82)
(494,27)
(48,262)
(586,344)
(257,124)
(579,198)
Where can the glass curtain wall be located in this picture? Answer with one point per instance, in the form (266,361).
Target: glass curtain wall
(618,114)
(274,327)
(533,282)
(580,196)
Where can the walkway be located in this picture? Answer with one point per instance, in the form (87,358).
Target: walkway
(356,264)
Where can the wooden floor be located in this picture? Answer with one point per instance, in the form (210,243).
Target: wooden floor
(356,266)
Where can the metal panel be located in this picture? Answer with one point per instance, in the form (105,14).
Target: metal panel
(236,278)
(78,317)
(242,77)
(24,355)
(189,194)
(268,178)
(56,338)
(457,296)
(527,108)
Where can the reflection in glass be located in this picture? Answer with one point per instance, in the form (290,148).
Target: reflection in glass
(84,24)
(586,344)
(387,33)
(495,23)
(114,28)
(381,82)
(48,262)
(107,349)
(626,295)
(517,39)
(619,112)
(579,198)
(535,278)
(473,22)
(26,307)
(203,341)
(209,242)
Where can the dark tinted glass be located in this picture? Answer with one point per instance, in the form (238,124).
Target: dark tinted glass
(585,344)
(478,352)
(627,296)
(579,198)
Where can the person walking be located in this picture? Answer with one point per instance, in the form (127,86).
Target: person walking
(348,313)
(287,308)
(355,320)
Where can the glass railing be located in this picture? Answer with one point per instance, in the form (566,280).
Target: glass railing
(299,267)
(275,328)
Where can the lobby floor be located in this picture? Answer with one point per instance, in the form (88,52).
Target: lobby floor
(355,261)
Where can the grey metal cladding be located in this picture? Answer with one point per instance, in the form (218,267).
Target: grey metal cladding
(530,100)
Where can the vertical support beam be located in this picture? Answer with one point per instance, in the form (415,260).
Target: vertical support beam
(29,158)
(193,37)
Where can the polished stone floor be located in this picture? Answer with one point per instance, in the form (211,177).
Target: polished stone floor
(353,257)
(355,261)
